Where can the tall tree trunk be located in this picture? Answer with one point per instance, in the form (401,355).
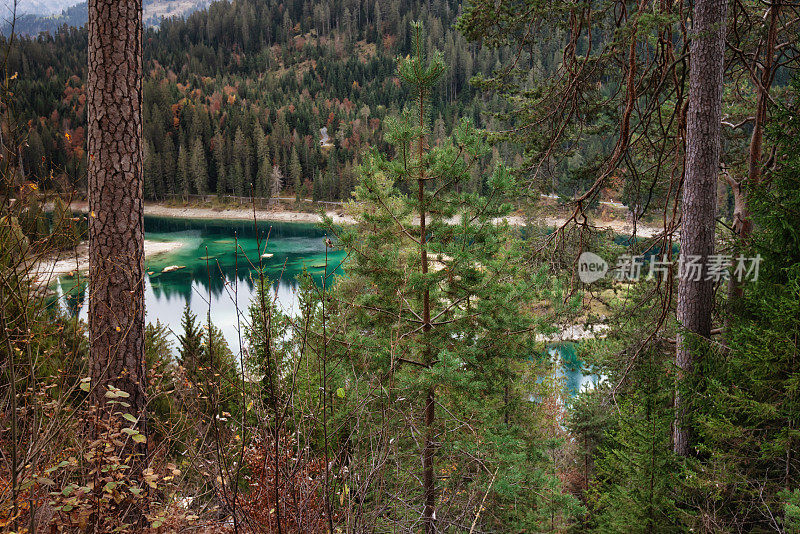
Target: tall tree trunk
(703,131)
(116,218)
(428,473)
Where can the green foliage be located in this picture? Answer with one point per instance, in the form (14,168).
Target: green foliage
(163,408)
(252,82)
(191,343)
(264,336)
(209,365)
(637,473)
(435,307)
(749,428)
(33,221)
(791,510)
(13,241)
(571,88)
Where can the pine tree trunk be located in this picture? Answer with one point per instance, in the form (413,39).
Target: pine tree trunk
(428,473)
(703,130)
(116,218)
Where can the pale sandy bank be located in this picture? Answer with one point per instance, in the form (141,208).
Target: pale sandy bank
(242,214)
(279,215)
(617,226)
(77,260)
(233,214)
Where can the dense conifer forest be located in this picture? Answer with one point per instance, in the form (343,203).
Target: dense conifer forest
(234,91)
(552,282)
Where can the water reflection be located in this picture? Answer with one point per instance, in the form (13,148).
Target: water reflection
(571,370)
(211,274)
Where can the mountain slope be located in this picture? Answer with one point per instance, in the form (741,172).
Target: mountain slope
(238,94)
(36,7)
(33,23)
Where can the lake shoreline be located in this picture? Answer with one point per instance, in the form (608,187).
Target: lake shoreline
(77,260)
(231,213)
(66,262)
(338,217)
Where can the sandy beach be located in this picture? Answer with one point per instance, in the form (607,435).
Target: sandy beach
(77,260)
(617,226)
(339,217)
(276,215)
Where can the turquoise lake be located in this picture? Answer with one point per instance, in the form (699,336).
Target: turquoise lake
(212,272)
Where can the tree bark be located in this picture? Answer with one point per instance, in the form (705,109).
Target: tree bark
(429,451)
(703,131)
(116,218)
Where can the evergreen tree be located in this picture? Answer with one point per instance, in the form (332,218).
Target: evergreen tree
(698,204)
(316,193)
(116,223)
(636,486)
(152,171)
(65,233)
(295,174)
(190,343)
(260,142)
(241,156)
(376,10)
(168,166)
(183,171)
(276,182)
(219,163)
(198,167)
(749,426)
(415,289)
(262,178)
(331,189)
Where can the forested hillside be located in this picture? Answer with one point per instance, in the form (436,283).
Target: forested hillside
(477,342)
(32,22)
(235,96)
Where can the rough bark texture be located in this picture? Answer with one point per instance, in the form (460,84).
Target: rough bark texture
(116,218)
(703,130)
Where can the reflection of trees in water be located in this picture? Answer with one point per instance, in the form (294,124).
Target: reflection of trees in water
(155,287)
(226,229)
(178,283)
(73,291)
(293,245)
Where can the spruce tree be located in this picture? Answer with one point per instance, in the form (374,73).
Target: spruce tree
(262,178)
(241,181)
(219,163)
(275,182)
(296,174)
(183,172)
(149,171)
(190,343)
(749,429)
(198,167)
(636,487)
(168,165)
